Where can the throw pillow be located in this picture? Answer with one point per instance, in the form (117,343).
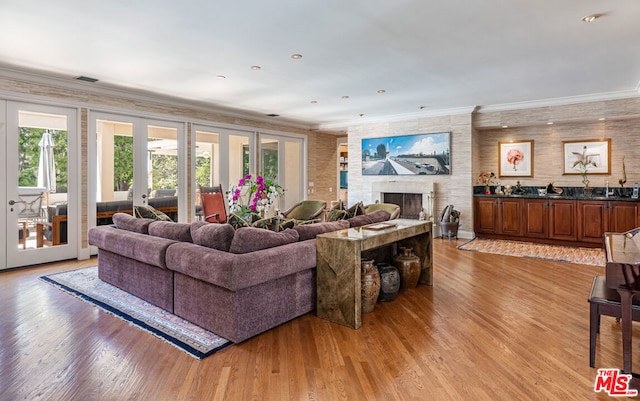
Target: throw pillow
(275,223)
(149,212)
(170,230)
(127,222)
(336,214)
(251,239)
(245,220)
(355,210)
(309,231)
(215,236)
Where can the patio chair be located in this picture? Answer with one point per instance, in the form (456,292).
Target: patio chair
(306,210)
(213,204)
(392,208)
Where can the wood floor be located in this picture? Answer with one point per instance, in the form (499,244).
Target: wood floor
(491,328)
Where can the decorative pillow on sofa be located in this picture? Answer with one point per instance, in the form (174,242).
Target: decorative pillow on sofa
(275,223)
(149,212)
(170,230)
(127,222)
(373,217)
(309,231)
(336,214)
(250,239)
(355,210)
(212,235)
(245,220)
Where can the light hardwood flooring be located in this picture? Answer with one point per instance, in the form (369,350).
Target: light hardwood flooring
(491,328)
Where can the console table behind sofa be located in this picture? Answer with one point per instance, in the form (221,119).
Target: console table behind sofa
(54,230)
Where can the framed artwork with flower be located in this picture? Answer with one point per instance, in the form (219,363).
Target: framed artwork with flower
(515,159)
(587,156)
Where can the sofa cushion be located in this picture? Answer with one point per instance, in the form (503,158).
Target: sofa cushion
(149,212)
(212,235)
(250,239)
(170,230)
(309,231)
(364,219)
(125,221)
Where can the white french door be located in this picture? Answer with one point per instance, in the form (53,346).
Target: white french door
(283,158)
(41,162)
(133,159)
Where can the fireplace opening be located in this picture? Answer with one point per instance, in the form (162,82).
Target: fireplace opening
(410,204)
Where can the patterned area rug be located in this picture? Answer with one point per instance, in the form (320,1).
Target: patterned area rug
(85,284)
(583,256)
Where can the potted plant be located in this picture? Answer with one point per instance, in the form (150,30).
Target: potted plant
(485,179)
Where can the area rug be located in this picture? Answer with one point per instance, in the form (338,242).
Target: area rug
(85,284)
(583,256)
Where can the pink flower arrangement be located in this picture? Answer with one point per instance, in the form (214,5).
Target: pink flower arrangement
(515,156)
(259,193)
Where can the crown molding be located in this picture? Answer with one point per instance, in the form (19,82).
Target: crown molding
(561,101)
(70,83)
(398,117)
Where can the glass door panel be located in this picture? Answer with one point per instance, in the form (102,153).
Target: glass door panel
(114,176)
(240,159)
(41,209)
(293,179)
(207,162)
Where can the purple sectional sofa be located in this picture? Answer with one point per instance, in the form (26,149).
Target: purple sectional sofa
(235,283)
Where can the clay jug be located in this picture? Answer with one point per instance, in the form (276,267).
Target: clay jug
(408,265)
(370,286)
(389,282)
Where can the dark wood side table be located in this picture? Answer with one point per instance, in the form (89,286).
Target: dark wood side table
(339,258)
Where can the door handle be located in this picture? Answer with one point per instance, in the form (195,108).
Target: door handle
(144,196)
(12,202)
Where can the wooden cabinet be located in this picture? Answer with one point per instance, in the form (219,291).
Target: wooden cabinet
(498,216)
(550,219)
(597,217)
(562,220)
(592,219)
(623,216)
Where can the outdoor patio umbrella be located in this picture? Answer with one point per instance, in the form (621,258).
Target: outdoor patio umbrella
(47,166)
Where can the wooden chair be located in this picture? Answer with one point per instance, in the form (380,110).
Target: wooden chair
(213,205)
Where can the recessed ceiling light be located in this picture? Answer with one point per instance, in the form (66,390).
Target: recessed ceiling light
(86,79)
(221,77)
(255,67)
(361,114)
(550,123)
(381,91)
(296,56)
(591,18)
(505,126)
(422,107)
(345,97)
(601,119)
(314,101)
(273,115)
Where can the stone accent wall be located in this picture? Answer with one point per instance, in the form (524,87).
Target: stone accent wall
(455,188)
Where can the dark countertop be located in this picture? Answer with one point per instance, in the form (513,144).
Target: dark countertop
(567,197)
(568,193)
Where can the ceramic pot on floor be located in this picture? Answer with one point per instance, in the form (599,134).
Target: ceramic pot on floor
(389,282)
(408,265)
(370,286)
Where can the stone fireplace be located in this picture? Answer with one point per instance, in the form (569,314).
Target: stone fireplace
(411,196)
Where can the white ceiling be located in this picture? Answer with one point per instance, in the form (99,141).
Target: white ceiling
(438,55)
